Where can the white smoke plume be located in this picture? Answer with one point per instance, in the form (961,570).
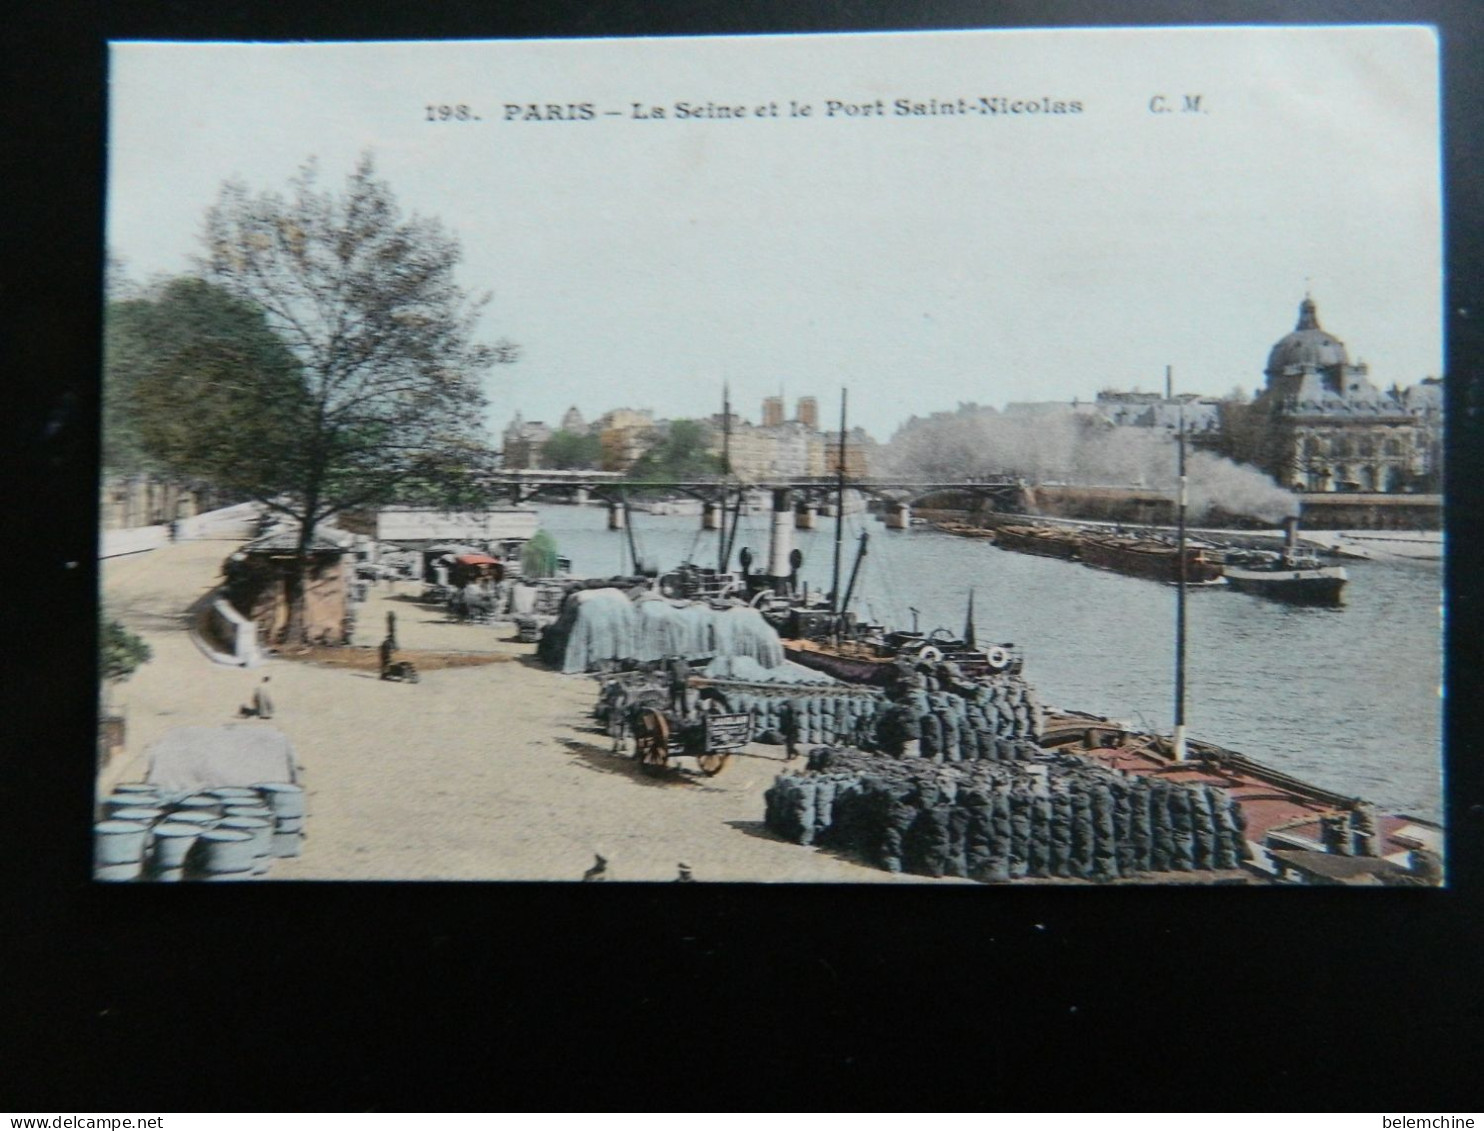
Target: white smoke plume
(977,441)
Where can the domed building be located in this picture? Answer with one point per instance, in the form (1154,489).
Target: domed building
(1323,426)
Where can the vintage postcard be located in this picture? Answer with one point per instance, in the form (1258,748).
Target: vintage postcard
(937,458)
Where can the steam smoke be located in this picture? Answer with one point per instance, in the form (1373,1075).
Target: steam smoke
(978,441)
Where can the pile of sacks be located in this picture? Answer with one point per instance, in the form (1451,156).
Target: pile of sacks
(601,627)
(994,822)
(824,715)
(996,720)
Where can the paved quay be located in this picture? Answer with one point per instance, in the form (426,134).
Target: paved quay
(491,772)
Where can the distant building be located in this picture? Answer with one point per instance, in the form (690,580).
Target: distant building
(572,422)
(824,453)
(625,434)
(1200,414)
(1320,424)
(787,449)
(1051,408)
(523,442)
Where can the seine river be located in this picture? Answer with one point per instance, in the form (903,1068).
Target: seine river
(1346,698)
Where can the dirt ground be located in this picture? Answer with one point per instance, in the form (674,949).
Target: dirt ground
(492,771)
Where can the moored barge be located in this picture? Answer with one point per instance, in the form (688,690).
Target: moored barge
(1150,558)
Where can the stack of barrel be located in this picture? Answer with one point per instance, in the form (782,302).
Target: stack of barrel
(221,833)
(1061,817)
(996,721)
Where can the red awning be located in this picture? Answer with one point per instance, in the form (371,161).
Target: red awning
(476,560)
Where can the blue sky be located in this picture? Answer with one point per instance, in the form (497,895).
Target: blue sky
(918,259)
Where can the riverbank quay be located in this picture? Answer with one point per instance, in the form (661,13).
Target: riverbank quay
(495,772)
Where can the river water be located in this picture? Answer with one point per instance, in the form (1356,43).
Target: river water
(1346,698)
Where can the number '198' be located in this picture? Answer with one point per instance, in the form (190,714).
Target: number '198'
(445,113)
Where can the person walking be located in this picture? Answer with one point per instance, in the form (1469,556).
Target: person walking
(388,650)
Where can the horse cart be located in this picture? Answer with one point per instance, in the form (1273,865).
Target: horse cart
(709,734)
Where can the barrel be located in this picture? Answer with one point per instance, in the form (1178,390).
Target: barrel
(114,802)
(234,794)
(287,843)
(221,854)
(169,846)
(284,798)
(254,810)
(202,802)
(144,814)
(118,849)
(201,819)
(138,787)
(261,831)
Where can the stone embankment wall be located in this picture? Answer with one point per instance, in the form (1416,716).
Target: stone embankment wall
(237,521)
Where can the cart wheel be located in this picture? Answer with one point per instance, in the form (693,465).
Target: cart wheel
(713,763)
(651,740)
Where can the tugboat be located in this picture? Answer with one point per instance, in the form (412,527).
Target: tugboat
(1294,576)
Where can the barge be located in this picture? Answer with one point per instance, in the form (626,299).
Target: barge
(1150,558)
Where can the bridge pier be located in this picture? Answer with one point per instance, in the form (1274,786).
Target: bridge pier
(710,516)
(806,516)
(898,516)
(579,496)
(615,516)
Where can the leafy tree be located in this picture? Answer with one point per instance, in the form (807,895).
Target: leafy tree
(385,403)
(538,558)
(572,450)
(189,369)
(682,454)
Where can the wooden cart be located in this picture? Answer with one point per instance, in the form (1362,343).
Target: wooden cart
(709,738)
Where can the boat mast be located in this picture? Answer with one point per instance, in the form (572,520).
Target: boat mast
(855,570)
(723,547)
(1180,572)
(839,512)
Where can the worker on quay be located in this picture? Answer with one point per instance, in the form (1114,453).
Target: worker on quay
(679,683)
(616,696)
(788,722)
(262,702)
(388,650)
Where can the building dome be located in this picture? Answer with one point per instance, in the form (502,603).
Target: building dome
(1307,347)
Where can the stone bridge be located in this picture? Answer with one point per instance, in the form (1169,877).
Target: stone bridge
(805,496)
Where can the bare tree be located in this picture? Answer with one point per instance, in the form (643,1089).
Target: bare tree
(366,301)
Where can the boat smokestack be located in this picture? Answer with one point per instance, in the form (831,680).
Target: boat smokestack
(1290,534)
(780,547)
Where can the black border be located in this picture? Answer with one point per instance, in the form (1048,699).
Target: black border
(357,997)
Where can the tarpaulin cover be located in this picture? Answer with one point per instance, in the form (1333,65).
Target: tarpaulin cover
(194,758)
(598,625)
(747,670)
(476,559)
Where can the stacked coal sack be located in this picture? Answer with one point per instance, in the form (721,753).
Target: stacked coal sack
(599,627)
(822,715)
(996,721)
(999,821)
(222,833)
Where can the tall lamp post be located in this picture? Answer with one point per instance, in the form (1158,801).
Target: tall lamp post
(1180,578)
